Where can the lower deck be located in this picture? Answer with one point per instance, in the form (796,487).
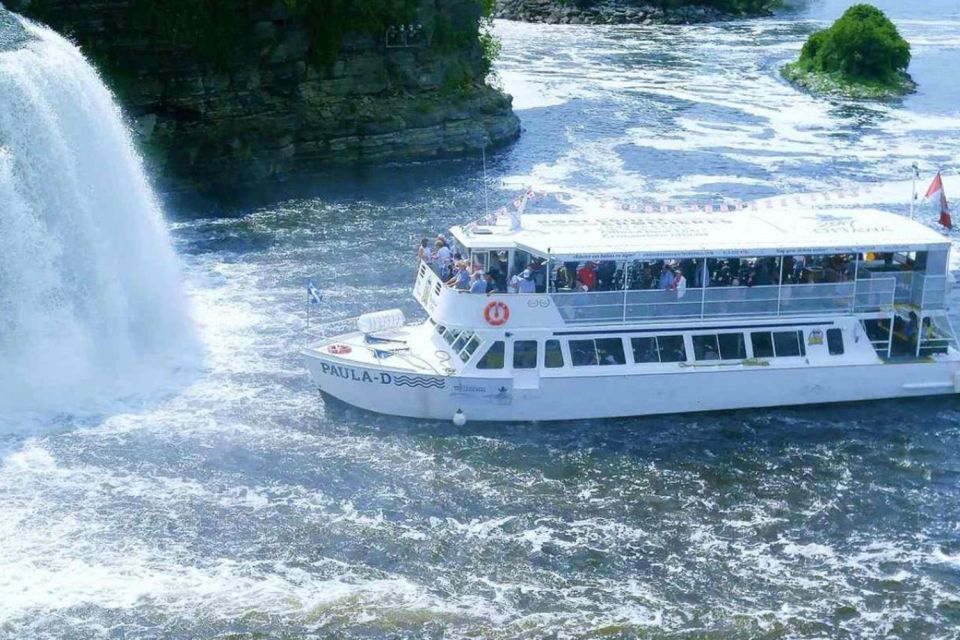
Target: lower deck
(432,371)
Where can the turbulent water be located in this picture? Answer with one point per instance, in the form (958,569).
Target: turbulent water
(236,506)
(91,303)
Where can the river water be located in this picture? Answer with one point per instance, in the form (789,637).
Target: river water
(235,507)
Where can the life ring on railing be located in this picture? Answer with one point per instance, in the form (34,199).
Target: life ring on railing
(496,313)
(339,349)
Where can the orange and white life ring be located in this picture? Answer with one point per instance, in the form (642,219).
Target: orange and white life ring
(339,349)
(496,313)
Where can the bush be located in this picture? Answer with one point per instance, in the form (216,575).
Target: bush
(861,45)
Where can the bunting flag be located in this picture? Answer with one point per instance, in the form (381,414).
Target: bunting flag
(938,196)
(513,210)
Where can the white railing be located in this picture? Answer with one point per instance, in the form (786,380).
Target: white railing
(875,294)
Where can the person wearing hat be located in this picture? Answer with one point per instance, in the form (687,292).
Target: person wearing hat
(527,285)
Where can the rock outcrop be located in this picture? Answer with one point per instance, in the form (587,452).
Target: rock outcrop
(610,12)
(274,111)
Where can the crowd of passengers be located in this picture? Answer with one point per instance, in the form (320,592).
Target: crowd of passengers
(669,275)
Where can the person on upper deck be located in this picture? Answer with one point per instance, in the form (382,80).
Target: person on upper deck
(461,276)
(477,283)
(526,284)
(679,284)
(443,259)
(423,251)
(665,282)
(492,285)
(587,275)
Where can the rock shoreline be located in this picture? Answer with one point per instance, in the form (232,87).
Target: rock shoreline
(607,12)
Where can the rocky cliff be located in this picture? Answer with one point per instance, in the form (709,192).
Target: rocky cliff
(229,93)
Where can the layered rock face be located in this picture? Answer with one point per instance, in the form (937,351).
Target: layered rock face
(608,12)
(274,111)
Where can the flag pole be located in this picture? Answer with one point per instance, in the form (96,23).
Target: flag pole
(913,191)
(486,202)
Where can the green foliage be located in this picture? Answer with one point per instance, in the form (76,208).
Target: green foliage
(490,47)
(862,45)
(211,29)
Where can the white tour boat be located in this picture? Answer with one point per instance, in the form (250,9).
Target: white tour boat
(773,308)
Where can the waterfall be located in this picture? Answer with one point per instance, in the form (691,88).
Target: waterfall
(91,298)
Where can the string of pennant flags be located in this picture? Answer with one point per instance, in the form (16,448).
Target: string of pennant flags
(935,194)
(667,206)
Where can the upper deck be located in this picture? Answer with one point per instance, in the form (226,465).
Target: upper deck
(603,267)
(603,234)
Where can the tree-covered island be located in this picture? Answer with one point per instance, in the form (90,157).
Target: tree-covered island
(861,56)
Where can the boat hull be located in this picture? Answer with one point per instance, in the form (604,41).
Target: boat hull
(689,389)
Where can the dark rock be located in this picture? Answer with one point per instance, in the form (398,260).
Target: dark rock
(276,112)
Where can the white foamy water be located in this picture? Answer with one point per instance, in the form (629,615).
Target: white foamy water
(239,506)
(91,302)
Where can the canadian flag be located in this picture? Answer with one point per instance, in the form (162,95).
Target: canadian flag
(937,195)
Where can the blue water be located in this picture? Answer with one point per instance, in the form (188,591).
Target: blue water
(237,507)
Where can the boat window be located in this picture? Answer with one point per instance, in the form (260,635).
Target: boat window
(610,351)
(658,349)
(469,348)
(645,350)
(732,346)
(672,349)
(762,344)
(525,354)
(835,342)
(493,358)
(706,347)
(583,353)
(552,356)
(788,343)
(603,351)
(461,340)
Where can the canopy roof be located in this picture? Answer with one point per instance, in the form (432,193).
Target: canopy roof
(611,234)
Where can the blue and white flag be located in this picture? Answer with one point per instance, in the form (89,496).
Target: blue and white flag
(314,295)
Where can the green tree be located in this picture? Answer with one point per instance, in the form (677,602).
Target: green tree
(862,44)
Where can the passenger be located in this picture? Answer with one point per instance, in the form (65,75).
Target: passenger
(477,283)
(461,276)
(423,251)
(492,286)
(605,274)
(702,279)
(540,275)
(562,279)
(647,279)
(442,239)
(689,270)
(666,278)
(587,275)
(514,285)
(526,284)
(679,284)
(443,258)
(607,358)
